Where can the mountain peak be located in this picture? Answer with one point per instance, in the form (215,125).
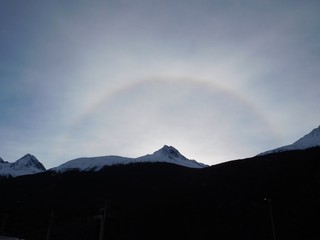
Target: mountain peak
(169,151)
(315,132)
(29,161)
(28,164)
(310,140)
(171,155)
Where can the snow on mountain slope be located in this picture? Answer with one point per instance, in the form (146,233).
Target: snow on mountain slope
(171,155)
(312,139)
(26,165)
(166,154)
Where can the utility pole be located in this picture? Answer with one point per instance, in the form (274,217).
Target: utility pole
(50,225)
(103,221)
(271,218)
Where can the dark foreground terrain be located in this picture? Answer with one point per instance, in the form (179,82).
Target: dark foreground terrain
(247,199)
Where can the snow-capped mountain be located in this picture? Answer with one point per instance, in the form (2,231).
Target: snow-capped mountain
(171,155)
(310,140)
(166,154)
(26,165)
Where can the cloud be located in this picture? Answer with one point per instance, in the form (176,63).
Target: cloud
(123,77)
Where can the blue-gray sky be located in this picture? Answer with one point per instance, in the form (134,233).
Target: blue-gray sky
(217,79)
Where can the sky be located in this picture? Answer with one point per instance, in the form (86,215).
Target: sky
(217,79)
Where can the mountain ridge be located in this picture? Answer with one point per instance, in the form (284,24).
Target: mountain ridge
(26,165)
(309,140)
(166,154)
(29,164)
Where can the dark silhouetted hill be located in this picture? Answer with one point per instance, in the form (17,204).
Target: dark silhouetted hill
(167,201)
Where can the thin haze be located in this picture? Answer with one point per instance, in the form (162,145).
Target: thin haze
(218,80)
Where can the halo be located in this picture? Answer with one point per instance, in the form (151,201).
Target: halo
(111,96)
